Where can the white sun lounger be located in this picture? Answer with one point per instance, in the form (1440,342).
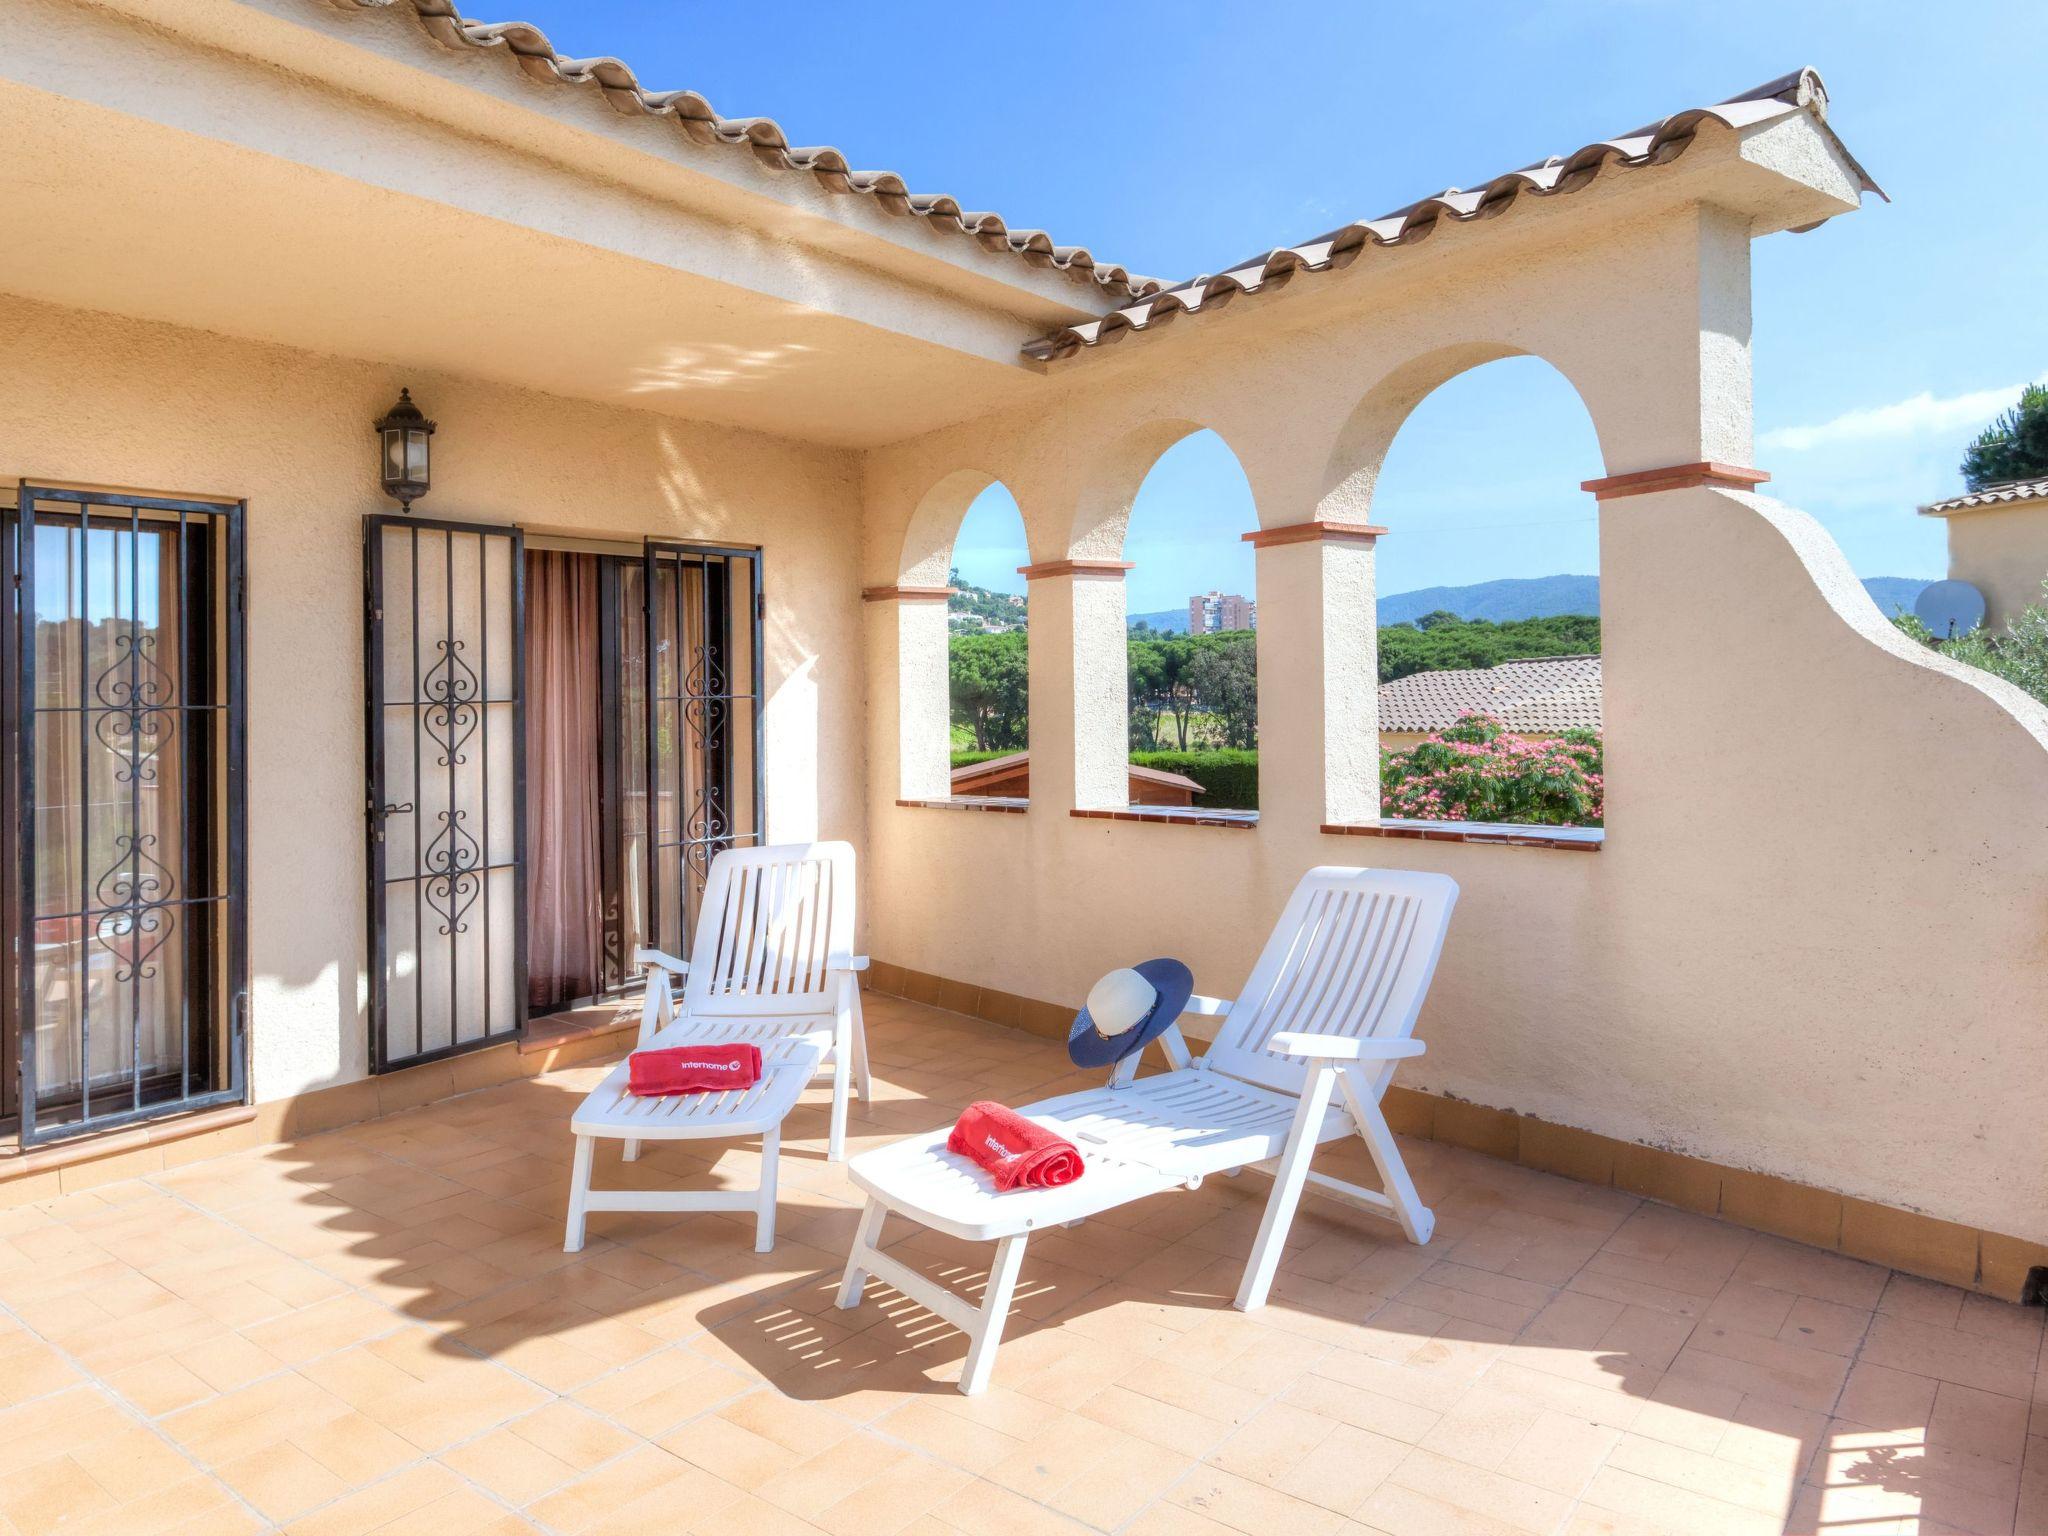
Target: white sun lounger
(771,964)
(772,961)
(1328,1011)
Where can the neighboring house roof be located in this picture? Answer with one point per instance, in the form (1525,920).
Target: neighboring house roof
(528,47)
(1001,767)
(1989,496)
(1542,695)
(1653,144)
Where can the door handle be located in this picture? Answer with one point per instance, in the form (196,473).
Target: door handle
(379,814)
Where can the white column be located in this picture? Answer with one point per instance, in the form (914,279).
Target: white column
(1319,710)
(1080,707)
(913,619)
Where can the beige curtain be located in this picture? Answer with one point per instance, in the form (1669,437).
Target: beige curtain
(564,926)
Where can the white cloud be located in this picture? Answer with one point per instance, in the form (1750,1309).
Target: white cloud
(1923,413)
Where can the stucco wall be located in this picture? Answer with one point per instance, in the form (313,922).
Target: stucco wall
(91,398)
(2003,552)
(1816,941)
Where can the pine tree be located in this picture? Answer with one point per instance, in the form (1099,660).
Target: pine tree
(2014,447)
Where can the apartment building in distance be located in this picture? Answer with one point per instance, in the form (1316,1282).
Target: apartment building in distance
(1211,613)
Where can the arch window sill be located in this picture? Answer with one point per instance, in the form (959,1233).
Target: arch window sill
(1175,815)
(1506,834)
(969,803)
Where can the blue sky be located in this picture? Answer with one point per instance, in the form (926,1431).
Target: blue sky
(1185,137)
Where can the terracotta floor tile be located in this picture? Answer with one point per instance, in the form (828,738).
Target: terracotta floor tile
(377,1329)
(1794,1374)
(1948,1354)
(282,1482)
(1244,1505)
(1660,1507)
(508,1466)
(1506,1500)
(355,1448)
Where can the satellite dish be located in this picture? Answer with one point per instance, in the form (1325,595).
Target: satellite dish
(1949,608)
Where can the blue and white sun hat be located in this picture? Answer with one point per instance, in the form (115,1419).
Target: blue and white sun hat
(1127,1010)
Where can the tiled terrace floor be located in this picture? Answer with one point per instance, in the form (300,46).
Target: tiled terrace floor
(376,1329)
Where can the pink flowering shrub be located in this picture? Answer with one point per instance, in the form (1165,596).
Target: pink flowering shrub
(1476,771)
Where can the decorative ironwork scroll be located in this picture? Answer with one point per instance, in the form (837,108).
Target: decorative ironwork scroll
(704,722)
(126,701)
(444,668)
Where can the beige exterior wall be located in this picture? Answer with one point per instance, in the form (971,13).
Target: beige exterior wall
(1802,949)
(91,398)
(1799,951)
(2003,552)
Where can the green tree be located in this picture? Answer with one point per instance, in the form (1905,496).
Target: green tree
(1224,674)
(2014,447)
(1161,678)
(1439,641)
(2019,653)
(990,682)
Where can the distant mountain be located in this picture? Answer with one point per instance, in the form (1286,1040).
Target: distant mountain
(1894,594)
(1535,597)
(1543,597)
(1169,621)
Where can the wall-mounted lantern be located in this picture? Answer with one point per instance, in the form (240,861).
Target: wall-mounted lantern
(407,468)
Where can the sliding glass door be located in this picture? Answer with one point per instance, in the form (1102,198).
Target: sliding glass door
(125,702)
(703,733)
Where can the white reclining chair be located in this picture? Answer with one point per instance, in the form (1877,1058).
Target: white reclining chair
(1329,1010)
(772,964)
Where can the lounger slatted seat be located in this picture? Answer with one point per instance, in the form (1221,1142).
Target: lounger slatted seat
(1302,1057)
(771,964)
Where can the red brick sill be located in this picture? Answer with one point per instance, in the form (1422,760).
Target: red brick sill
(1173,815)
(1572,839)
(969,803)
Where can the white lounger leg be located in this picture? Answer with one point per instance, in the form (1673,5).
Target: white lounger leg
(1417,1220)
(579,1194)
(764,1210)
(867,1239)
(836,1147)
(987,1332)
(863,1080)
(629,1151)
(1288,1178)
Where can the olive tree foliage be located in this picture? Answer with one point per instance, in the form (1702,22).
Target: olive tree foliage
(2018,653)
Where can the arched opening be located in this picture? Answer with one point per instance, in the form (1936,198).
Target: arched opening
(1192,652)
(1490,682)
(959,636)
(988,658)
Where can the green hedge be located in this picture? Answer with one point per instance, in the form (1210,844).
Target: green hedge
(1229,776)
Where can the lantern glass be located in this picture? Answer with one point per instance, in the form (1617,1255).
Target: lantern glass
(416,457)
(394,456)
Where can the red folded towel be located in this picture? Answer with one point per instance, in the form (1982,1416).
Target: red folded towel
(692,1069)
(1017,1151)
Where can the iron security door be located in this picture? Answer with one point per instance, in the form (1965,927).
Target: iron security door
(703,746)
(444,665)
(130,979)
